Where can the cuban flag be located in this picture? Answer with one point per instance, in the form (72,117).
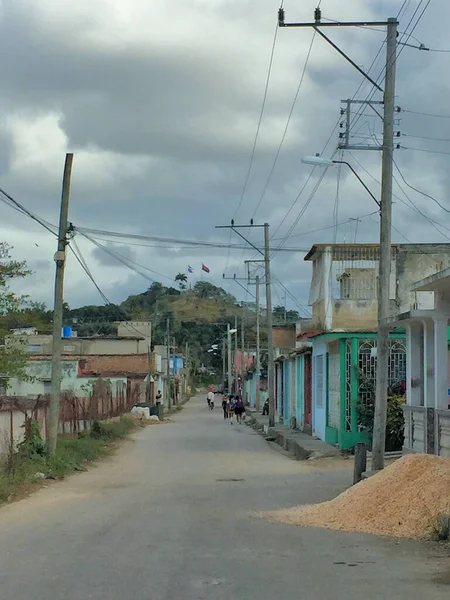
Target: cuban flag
(190,269)
(205,268)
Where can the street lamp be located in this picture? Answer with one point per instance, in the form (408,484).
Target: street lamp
(318,161)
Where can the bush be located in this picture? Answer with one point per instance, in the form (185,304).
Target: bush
(395,423)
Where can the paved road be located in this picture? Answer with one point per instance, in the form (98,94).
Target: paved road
(156,523)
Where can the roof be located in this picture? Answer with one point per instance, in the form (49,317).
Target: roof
(124,365)
(305,335)
(438,282)
(318,248)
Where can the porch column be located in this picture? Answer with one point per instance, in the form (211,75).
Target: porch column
(428,363)
(415,381)
(440,363)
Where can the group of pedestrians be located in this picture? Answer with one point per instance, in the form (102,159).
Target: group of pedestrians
(233,406)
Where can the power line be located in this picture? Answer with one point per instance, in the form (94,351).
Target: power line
(425,114)
(425,150)
(10,201)
(283,137)
(252,156)
(420,191)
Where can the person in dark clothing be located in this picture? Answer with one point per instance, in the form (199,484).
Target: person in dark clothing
(225,407)
(238,409)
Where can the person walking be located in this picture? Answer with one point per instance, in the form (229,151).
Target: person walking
(209,398)
(231,409)
(225,407)
(238,409)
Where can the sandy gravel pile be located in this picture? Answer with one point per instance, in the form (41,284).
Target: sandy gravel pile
(403,500)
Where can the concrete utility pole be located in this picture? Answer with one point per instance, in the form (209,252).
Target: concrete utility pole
(382,382)
(169,398)
(186,367)
(271,364)
(224,362)
(60,259)
(384,275)
(243,346)
(229,358)
(258,358)
(236,355)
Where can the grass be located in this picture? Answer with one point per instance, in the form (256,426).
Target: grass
(29,465)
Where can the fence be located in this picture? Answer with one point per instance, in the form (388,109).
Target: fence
(76,412)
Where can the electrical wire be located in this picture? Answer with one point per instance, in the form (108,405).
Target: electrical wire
(425,150)
(10,201)
(283,137)
(412,187)
(425,114)
(252,156)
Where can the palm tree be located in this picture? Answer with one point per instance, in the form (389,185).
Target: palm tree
(182,280)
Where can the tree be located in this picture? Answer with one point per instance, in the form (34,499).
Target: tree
(13,357)
(182,280)
(280,315)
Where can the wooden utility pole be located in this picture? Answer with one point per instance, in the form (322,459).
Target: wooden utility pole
(186,367)
(60,260)
(384,275)
(258,358)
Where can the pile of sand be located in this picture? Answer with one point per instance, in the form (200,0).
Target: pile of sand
(403,500)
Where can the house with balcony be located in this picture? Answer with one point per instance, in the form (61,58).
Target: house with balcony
(333,367)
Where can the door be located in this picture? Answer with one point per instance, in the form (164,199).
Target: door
(307,387)
(319,396)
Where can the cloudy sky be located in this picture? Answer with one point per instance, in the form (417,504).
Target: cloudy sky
(160,101)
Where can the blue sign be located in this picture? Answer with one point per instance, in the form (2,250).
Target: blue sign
(258,374)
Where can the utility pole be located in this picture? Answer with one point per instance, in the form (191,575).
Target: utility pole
(266,255)
(169,399)
(224,362)
(382,380)
(271,364)
(258,358)
(60,260)
(229,358)
(384,275)
(242,346)
(186,358)
(236,355)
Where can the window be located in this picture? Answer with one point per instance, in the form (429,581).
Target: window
(34,348)
(319,381)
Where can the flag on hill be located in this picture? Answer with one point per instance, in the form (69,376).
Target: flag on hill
(205,268)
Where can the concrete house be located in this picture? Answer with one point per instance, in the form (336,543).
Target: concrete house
(333,366)
(427,414)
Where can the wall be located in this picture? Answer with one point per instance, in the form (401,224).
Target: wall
(357,315)
(284,337)
(134,329)
(41,370)
(413,264)
(42,344)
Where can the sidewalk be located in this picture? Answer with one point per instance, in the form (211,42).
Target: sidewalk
(301,445)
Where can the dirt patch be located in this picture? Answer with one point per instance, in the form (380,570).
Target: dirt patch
(403,500)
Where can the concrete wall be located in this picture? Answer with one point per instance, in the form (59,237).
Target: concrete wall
(413,264)
(334,385)
(355,314)
(284,336)
(42,344)
(41,371)
(134,329)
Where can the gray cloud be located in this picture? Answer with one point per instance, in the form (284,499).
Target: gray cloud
(162,119)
